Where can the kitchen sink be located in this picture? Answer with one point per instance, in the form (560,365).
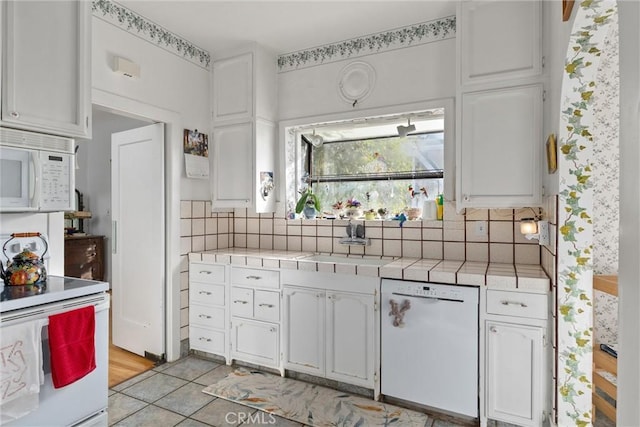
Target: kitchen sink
(347,260)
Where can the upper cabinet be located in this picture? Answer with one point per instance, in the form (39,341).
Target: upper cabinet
(499,40)
(499,113)
(46,70)
(244,144)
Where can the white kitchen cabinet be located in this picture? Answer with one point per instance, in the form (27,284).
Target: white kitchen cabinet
(516,358)
(350,351)
(500,147)
(208,315)
(244,144)
(255,316)
(514,361)
(46,67)
(304,313)
(256,342)
(499,40)
(233,88)
(330,334)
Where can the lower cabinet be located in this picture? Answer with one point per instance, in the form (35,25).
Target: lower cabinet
(514,383)
(330,334)
(208,322)
(255,341)
(255,316)
(516,358)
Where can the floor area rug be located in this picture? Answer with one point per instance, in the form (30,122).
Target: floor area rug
(309,403)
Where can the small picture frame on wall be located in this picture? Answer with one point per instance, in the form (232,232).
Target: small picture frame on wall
(552,160)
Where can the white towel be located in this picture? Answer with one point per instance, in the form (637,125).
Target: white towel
(21,373)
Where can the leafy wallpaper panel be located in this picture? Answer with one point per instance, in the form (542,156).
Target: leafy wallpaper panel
(592,24)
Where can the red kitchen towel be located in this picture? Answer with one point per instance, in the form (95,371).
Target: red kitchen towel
(72,346)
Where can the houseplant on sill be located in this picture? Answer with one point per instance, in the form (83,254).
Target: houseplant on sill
(308,203)
(354,209)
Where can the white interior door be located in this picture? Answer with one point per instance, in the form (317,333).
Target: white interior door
(138,246)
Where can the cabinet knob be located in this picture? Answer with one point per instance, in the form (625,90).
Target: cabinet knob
(272,329)
(493,329)
(15,114)
(465,197)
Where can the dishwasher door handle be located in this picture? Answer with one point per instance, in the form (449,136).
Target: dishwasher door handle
(427,297)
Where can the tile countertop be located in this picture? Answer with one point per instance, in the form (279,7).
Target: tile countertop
(520,277)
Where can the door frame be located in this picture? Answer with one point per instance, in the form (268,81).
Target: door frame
(173,156)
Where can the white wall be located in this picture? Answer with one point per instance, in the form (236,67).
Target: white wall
(166,81)
(403,76)
(629,289)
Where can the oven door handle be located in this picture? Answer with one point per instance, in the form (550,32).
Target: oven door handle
(427,297)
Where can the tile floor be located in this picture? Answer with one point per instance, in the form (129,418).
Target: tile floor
(171,395)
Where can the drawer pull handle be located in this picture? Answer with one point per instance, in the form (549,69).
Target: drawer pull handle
(204,316)
(205,272)
(521,304)
(254,277)
(205,339)
(204,293)
(240,301)
(266,305)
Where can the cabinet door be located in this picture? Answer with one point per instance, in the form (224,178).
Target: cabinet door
(500,148)
(46,66)
(499,40)
(256,342)
(232,178)
(350,338)
(513,373)
(304,330)
(233,88)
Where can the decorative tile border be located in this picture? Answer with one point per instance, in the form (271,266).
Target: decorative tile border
(575,213)
(118,15)
(412,35)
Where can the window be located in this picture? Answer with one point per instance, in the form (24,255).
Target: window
(372,163)
(364,155)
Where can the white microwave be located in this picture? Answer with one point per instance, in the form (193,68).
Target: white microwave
(37,172)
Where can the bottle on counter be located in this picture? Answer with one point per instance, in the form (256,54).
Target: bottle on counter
(439,207)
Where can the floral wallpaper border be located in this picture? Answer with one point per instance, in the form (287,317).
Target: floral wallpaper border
(412,35)
(118,15)
(575,213)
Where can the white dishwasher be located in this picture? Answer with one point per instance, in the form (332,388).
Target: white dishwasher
(430,345)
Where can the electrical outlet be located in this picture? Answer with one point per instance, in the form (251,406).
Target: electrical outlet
(481,228)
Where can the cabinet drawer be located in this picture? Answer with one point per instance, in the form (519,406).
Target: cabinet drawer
(242,302)
(266,305)
(206,294)
(208,273)
(255,277)
(209,317)
(206,340)
(518,304)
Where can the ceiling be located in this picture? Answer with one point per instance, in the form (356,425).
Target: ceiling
(283,26)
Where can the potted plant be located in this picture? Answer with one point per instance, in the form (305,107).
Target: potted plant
(309,203)
(354,209)
(370,214)
(338,208)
